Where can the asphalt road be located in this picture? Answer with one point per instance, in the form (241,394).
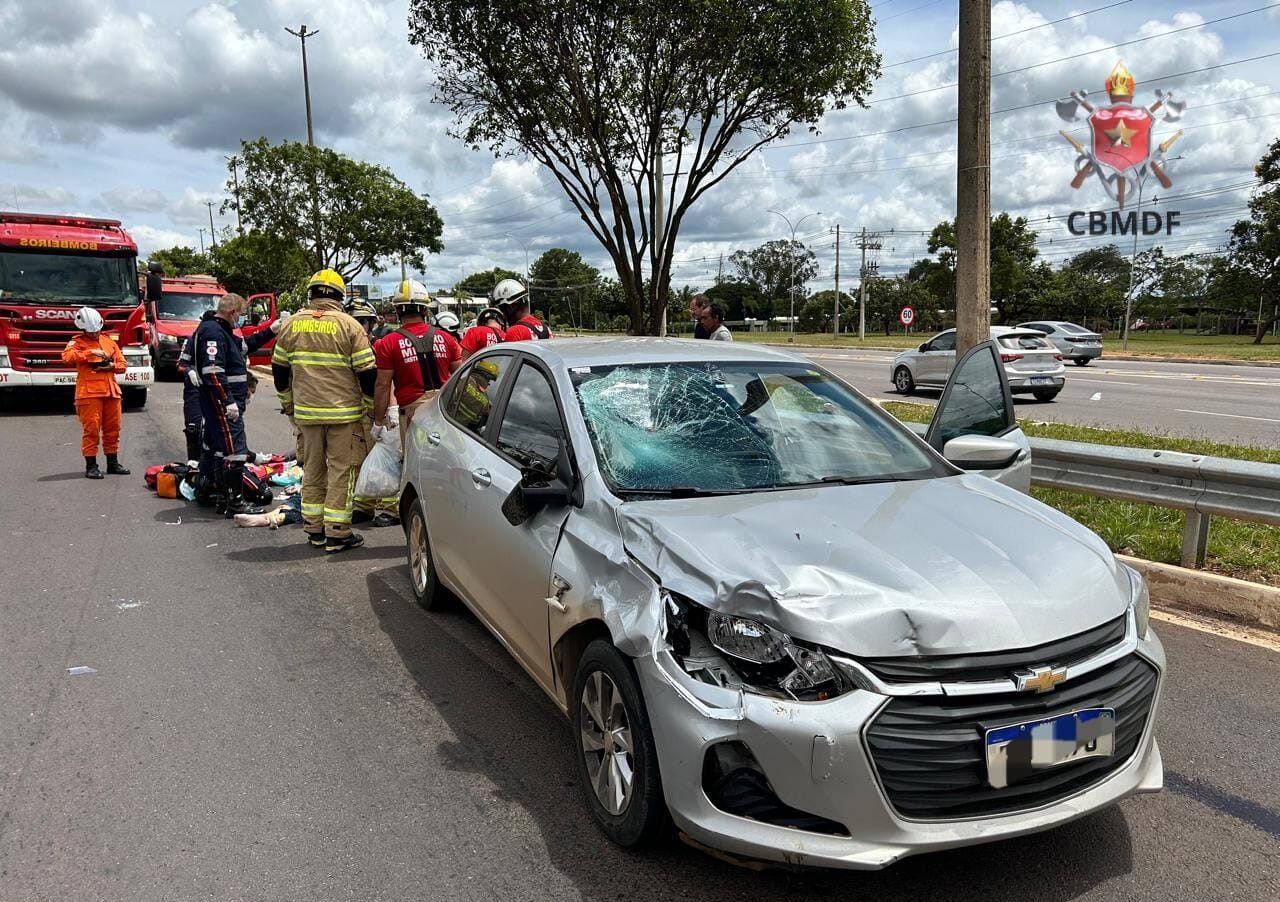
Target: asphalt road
(1236,404)
(266,723)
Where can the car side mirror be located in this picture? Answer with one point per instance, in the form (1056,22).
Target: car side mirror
(539,488)
(981,452)
(924,346)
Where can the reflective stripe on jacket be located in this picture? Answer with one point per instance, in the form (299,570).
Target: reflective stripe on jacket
(324,348)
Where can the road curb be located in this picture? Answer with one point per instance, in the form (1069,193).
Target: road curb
(1209,593)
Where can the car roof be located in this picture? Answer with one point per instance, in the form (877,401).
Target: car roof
(572,352)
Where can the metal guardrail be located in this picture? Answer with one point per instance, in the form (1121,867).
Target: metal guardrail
(1198,485)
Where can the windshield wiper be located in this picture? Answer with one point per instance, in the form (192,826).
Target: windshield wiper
(857,480)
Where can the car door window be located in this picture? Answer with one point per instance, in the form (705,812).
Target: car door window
(976,400)
(476,389)
(259,309)
(531,431)
(944,342)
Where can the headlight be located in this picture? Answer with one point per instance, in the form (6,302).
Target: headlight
(757,657)
(1140,600)
(167,339)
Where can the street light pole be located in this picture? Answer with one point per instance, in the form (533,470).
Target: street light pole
(1133,268)
(791,249)
(234,162)
(302,34)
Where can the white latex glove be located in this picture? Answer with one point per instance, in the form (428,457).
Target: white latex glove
(232,411)
(377,432)
(262,457)
(193,377)
(279,323)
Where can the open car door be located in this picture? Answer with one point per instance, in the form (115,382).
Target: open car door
(262,309)
(974,425)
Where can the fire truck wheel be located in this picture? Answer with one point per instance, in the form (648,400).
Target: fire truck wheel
(134,398)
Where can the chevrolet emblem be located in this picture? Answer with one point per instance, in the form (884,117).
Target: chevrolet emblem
(1039,679)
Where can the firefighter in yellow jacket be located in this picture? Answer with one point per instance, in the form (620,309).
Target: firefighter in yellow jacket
(324,374)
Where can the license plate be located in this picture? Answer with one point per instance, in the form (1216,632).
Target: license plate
(64,380)
(1041,380)
(1016,752)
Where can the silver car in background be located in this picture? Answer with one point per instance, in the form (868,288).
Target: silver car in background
(773,615)
(1074,343)
(1031,364)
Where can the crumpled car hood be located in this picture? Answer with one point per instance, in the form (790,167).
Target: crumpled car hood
(938,566)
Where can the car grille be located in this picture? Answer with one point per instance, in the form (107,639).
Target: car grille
(929,750)
(997,665)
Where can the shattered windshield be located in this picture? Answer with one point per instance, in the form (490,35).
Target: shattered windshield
(79,278)
(692,428)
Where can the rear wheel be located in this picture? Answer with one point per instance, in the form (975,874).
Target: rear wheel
(1082,361)
(422,568)
(903,381)
(134,398)
(1047,394)
(617,758)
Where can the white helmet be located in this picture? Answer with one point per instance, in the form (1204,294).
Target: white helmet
(411,291)
(447,321)
(508,291)
(88,320)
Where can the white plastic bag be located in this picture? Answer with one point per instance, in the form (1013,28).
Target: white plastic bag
(380,472)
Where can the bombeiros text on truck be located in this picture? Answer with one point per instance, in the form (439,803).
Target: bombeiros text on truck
(50,266)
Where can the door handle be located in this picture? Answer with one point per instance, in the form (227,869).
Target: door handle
(433,438)
(481,478)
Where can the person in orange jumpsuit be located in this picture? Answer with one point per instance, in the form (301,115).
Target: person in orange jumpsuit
(97,358)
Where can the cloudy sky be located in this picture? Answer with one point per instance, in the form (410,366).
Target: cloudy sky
(129,107)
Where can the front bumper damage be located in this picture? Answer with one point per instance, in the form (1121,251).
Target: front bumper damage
(815,758)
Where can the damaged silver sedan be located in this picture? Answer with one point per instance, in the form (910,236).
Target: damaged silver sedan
(775,616)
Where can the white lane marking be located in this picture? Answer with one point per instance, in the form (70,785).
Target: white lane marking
(1191,377)
(1234,416)
(1101,381)
(1221,628)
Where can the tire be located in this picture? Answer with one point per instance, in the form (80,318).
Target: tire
(422,568)
(134,398)
(1047,395)
(903,381)
(1082,361)
(606,686)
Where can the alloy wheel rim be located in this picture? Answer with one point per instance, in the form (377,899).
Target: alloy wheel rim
(606,743)
(902,380)
(419,561)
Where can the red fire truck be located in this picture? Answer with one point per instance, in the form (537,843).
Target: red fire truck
(175,305)
(50,266)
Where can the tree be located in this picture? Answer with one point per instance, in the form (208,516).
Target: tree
(561,279)
(1255,242)
(481,283)
(887,297)
(257,262)
(600,93)
(776,268)
(1013,257)
(343,214)
(1092,283)
(181,261)
(739,300)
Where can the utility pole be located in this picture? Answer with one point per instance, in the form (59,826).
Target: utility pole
(659,222)
(213,236)
(867,241)
(201,241)
(234,162)
(1133,268)
(302,34)
(720,272)
(973,177)
(835,319)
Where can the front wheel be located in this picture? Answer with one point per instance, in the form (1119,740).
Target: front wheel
(1082,361)
(1047,395)
(617,758)
(903,381)
(422,568)
(134,398)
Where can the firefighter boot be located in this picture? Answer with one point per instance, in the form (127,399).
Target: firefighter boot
(114,467)
(91,470)
(235,502)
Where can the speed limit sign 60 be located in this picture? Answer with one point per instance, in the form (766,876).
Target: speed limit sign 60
(907,316)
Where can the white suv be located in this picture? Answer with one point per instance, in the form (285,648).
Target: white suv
(1032,364)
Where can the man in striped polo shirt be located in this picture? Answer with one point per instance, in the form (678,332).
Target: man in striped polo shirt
(325,373)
